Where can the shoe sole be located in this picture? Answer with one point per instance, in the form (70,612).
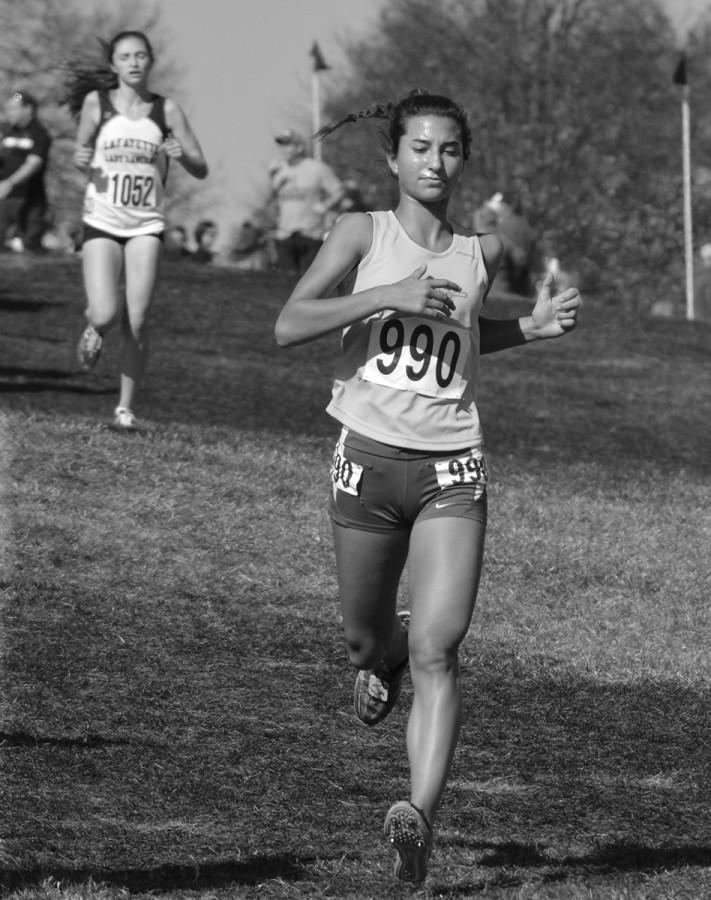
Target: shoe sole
(403,829)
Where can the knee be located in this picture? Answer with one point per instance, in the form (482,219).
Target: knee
(102,321)
(433,656)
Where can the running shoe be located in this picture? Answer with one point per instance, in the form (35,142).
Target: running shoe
(410,835)
(124,419)
(89,348)
(377,690)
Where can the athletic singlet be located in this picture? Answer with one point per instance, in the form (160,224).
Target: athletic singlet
(125,194)
(409,381)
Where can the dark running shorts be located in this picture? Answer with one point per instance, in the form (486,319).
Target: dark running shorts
(376,487)
(91,232)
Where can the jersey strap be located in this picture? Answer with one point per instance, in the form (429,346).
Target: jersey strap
(157,114)
(106,111)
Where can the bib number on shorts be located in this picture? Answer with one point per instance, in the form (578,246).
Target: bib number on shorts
(426,357)
(469,469)
(346,475)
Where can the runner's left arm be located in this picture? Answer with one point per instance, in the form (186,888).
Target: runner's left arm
(181,143)
(551,317)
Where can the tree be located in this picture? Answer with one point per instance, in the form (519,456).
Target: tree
(38,38)
(573,111)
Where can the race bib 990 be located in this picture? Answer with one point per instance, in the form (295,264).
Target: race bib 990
(467,469)
(346,475)
(426,357)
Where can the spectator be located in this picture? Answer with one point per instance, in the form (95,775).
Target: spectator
(205,237)
(702,286)
(486,216)
(518,237)
(176,244)
(249,248)
(306,191)
(24,151)
(519,241)
(352,199)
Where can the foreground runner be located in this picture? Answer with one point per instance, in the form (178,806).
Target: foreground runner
(125,137)
(408,472)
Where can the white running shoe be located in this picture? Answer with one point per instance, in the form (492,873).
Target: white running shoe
(89,348)
(124,419)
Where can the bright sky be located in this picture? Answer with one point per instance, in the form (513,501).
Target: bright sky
(248,75)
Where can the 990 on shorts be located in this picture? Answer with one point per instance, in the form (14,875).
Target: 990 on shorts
(376,487)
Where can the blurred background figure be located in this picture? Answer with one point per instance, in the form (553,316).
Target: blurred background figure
(24,152)
(352,199)
(62,237)
(486,216)
(520,258)
(702,286)
(205,239)
(307,193)
(248,250)
(176,244)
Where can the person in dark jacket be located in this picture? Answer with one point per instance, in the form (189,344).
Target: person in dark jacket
(24,151)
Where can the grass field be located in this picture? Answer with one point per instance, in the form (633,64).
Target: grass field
(175,698)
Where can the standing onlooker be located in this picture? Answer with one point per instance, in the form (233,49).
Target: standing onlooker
(486,216)
(24,150)
(126,136)
(248,250)
(176,244)
(306,191)
(205,237)
(518,237)
(702,286)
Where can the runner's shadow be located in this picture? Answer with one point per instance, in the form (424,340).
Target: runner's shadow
(88,741)
(19,304)
(613,857)
(14,379)
(610,860)
(220,874)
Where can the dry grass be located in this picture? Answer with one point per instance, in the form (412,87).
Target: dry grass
(175,707)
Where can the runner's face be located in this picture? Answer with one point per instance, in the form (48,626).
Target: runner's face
(429,158)
(131,61)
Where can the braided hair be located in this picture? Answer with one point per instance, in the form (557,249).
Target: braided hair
(82,78)
(416,103)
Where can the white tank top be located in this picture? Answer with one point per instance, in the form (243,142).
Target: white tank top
(410,381)
(125,194)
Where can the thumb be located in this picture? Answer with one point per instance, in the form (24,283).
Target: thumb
(419,271)
(547,284)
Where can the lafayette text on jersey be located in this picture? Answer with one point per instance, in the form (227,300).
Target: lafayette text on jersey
(410,381)
(125,195)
